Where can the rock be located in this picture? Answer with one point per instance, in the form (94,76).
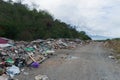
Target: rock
(41,77)
(111,57)
(4,77)
(25,73)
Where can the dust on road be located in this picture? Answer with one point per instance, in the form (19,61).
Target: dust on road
(89,62)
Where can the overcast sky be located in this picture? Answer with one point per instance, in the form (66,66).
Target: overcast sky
(96,17)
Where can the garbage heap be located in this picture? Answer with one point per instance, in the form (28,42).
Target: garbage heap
(31,54)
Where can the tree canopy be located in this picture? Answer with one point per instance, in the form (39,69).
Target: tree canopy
(18,22)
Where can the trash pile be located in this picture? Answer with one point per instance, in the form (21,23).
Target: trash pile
(29,54)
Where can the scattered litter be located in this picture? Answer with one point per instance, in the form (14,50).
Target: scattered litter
(41,77)
(10,61)
(71,57)
(15,55)
(12,71)
(1,71)
(111,57)
(25,73)
(35,64)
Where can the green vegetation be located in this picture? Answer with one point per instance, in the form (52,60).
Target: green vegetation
(18,22)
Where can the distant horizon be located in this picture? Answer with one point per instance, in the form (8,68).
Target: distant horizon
(98,37)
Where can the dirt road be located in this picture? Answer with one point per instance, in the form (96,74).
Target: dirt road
(89,62)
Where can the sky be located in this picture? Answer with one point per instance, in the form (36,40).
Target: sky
(95,17)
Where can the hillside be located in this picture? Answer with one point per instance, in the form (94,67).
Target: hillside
(18,22)
(115,45)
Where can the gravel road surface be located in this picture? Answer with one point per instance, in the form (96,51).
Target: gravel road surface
(88,62)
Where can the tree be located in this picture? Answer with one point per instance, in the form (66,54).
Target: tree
(18,22)
(19,1)
(10,1)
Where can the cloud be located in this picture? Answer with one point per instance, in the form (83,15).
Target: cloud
(96,17)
